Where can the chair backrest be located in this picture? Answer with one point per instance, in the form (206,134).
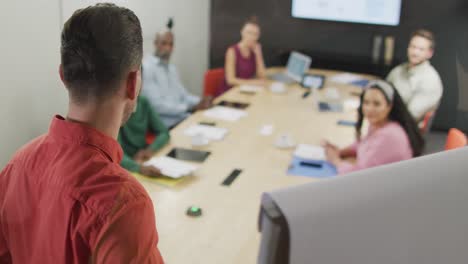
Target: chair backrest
(427,122)
(150,138)
(455,139)
(413,211)
(213,80)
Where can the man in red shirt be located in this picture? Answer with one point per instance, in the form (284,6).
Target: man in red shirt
(64,197)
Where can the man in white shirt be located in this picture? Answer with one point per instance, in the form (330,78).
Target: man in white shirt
(417,81)
(162,85)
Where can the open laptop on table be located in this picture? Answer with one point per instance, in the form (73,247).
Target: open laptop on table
(297,65)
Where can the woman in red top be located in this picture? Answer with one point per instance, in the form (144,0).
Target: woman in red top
(244,61)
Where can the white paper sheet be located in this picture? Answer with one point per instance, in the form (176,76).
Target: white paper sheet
(310,152)
(250,88)
(171,167)
(345,78)
(266,130)
(351,104)
(209,132)
(225,113)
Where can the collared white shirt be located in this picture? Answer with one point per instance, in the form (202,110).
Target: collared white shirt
(165,91)
(420,87)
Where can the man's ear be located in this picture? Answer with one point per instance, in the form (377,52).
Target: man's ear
(62,77)
(131,85)
(430,54)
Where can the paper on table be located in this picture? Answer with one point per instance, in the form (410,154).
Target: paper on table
(250,88)
(209,132)
(278,87)
(266,130)
(225,113)
(351,104)
(310,152)
(345,78)
(332,93)
(171,167)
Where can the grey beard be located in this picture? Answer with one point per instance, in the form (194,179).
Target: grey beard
(164,58)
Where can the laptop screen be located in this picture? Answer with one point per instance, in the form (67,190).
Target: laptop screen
(298,64)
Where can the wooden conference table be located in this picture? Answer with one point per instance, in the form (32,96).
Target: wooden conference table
(227,231)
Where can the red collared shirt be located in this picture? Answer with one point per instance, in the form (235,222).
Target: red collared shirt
(65,199)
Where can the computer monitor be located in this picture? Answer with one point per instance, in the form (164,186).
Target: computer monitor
(413,211)
(297,65)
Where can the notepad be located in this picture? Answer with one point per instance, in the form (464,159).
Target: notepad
(171,167)
(310,152)
(225,113)
(208,132)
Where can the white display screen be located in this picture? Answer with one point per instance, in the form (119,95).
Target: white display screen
(379,12)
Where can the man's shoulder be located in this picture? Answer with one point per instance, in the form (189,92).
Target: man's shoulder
(403,66)
(432,72)
(149,60)
(28,150)
(113,188)
(396,72)
(172,67)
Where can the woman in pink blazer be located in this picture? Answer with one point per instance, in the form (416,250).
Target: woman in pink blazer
(393,134)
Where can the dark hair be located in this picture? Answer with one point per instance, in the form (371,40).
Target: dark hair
(100,44)
(424,33)
(252,20)
(400,114)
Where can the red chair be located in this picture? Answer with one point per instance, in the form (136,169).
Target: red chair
(427,122)
(455,139)
(150,137)
(213,80)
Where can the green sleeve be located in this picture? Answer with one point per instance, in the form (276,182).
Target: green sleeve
(157,126)
(127,162)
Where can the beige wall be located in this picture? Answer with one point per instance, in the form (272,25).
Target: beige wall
(31,92)
(30,88)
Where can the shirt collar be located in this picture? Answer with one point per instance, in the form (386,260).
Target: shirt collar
(417,68)
(80,133)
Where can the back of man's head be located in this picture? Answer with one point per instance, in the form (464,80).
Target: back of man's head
(100,45)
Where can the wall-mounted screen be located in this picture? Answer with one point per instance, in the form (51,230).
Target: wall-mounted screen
(379,12)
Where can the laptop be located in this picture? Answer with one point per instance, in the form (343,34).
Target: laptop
(297,65)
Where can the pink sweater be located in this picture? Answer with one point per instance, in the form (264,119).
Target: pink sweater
(381,146)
